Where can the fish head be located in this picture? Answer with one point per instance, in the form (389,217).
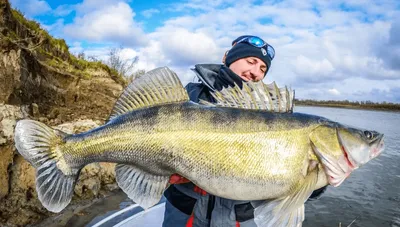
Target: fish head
(341,149)
(360,145)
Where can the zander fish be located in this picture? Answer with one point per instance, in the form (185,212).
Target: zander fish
(238,148)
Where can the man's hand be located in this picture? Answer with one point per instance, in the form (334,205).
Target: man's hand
(177,179)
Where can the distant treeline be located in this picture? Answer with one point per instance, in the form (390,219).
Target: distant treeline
(350,104)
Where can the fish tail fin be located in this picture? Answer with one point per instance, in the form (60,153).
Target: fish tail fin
(40,146)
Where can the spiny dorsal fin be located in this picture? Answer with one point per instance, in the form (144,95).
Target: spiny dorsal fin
(158,86)
(255,95)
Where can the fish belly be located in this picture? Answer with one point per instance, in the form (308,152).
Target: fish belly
(242,166)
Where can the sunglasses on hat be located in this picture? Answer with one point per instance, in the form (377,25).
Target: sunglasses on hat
(258,42)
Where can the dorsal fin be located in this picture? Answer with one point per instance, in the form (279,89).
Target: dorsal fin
(255,95)
(158,86)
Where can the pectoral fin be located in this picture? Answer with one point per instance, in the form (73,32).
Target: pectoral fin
(143,188)
(287,211)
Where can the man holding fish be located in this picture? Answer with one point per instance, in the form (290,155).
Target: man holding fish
(249,59)
(252,161)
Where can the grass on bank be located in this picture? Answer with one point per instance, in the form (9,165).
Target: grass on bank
(387,106)
(55,52)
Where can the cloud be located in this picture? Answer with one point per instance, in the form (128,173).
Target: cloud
(76,48)
(308,18)
(88,6)
(106,23)
(333,91)
(316,48)
(152,56)
(150,12)
(31,8)
(378,95)
(334,55)
(64,10)
(179,50)
(360,89)
(203,5)
(390,50)
(55,28)
(185,48)
(313,70)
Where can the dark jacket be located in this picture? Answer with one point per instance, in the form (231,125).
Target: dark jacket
(211,77)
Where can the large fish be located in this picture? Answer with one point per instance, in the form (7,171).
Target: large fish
(236,148)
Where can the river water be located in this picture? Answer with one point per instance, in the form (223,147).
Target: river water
(371,195)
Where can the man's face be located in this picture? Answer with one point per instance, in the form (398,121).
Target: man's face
(249,69)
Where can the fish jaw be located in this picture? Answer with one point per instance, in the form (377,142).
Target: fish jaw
(346,159)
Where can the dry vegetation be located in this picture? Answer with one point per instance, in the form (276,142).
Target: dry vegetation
(387,106)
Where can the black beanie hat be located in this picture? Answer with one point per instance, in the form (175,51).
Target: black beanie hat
(243,50)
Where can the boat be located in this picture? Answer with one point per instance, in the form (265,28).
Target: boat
(133,216)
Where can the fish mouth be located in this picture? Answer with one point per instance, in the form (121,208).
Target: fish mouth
(378,149)
(349,160)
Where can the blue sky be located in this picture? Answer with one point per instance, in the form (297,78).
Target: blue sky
(324,49)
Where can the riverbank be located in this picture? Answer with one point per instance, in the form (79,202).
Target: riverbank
(381,107)
(41,80)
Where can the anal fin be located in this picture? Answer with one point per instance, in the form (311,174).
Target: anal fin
(287,211)
(143,188)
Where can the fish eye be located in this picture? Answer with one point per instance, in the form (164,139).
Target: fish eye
(368,134)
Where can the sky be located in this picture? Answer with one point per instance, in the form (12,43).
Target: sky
(325,50)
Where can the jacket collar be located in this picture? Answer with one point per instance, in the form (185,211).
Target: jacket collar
(217,76)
